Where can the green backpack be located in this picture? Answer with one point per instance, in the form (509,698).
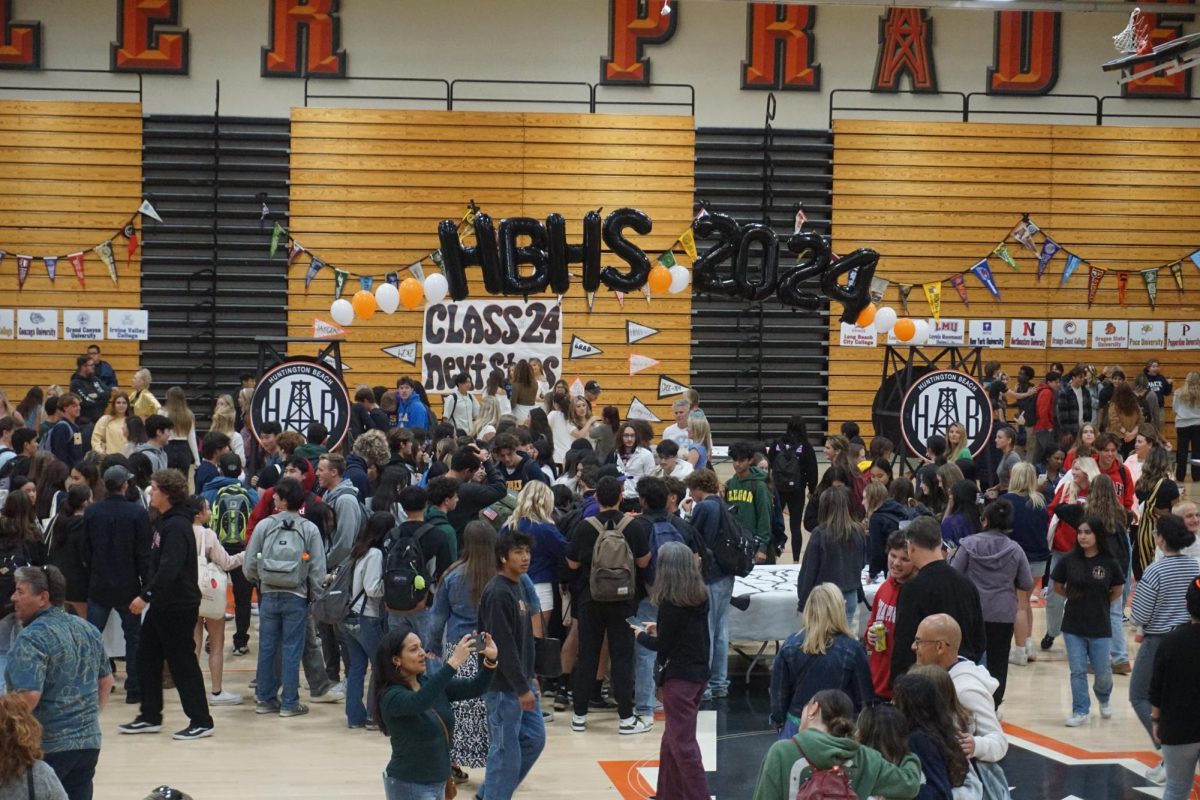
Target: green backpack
(498,512)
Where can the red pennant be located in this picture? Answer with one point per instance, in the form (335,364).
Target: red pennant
(961,287)
(1095,276)
(1122,284)
(76,260)
(130,233)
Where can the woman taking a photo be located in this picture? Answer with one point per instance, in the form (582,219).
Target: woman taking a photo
(680,637)
(109,435)
(1029,525)
(823,655)
(837,552)
(414,710)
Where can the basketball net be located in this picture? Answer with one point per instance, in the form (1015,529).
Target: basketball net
(1136,36)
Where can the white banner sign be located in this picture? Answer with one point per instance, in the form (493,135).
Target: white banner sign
(81,324)
(1110,334)
(1028,334)
(128,324)
(8,323)
(854,336)
(37,323)
(948,332)
(478,336)
(1071,333)
(986,333)
(1147,335)
(1183,335)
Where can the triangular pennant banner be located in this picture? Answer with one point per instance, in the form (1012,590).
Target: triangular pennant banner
(339,282)
(1195,257)
(636,331)
(277,233)
(933,295)
(418,271)
(1024,232)
(324,329)
(393,278)
(576,389)
(1073,262)
(51,267)
(1095,275)
(904,289)
(1150,278)
(620,299)
(76,260)
(800,221)
(130,234)
(639,363)
(1177,274)
(294,251)
(960,286)
(984,272)
(879,287)
(667,259)
(340,366)
(406,352)
(669,387)
(639,410)
(591,300)
(314,266)
(1122,285)
(105,251)
(365,282)
(1049,249)
(23,263)
(688,240)
(147,209)
(582,349)
(1002,253)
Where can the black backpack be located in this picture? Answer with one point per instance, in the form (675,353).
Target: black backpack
(786,469)
(407,577)
(10,559)
(735,546)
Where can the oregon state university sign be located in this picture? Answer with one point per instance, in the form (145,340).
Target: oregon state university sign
(940,398)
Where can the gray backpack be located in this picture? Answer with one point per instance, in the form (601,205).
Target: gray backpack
(283,561)
(614,574)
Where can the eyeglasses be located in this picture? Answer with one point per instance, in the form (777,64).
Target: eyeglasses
(919,642)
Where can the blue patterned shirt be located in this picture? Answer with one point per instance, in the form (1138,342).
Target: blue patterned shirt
(62,657)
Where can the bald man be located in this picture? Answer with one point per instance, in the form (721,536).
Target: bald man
(937,643)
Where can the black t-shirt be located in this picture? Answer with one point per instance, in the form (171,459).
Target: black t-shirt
(583,542)
(1168,493)
(1174,688)
(1088,583)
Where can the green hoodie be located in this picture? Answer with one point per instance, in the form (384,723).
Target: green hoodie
(435,516)
(312,452)
(750,500)
(870,773)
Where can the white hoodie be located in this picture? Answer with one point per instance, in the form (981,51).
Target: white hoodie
(975,686)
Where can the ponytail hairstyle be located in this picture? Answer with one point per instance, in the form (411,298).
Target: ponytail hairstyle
(837,711)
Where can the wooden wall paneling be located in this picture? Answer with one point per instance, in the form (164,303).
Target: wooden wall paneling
(933,198)
(369,188)
(70,177)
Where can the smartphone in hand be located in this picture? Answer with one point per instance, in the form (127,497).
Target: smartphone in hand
(635,622)
(478,643)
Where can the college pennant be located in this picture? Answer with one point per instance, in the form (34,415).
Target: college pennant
(339,282)
(148,210)
(667,259)
(933,294)
(365,282)
(1150,278)
(51,266)
(1049,249)
(1095,275)
(1195,257)
(393,278)
(688,240)
(904,289)
(314,266)
(277,233)
(1002,253)
(620,299)
(1122,285)
(130,234)
(1023,232)
(1073,262)
(105,251)
(960,286)
(23,263)
(76,260)
(984,272)
(800,221)
(1177,274)
(294,251)
(879,287)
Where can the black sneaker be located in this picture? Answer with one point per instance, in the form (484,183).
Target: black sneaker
(133,698)
(561,701)
(602,704)
(194,732)
(241,651)
(1047,642)
(139,725)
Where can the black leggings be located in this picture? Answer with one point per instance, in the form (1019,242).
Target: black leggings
(794,503)
(1188,448)
(999,640)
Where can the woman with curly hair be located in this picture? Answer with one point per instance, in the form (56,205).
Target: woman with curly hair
(109,435)
(22,771)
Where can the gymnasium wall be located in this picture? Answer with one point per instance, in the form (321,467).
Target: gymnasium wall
(934,198)
(70,178)
(369,187)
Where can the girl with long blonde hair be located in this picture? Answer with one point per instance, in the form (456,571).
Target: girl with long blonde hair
(1030,522)
(222,421)
(1187,427)
(956,442)
(700,435)
(535,505)
(182,452)
(486,418)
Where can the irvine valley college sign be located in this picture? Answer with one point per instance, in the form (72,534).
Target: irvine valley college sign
(940,398)
(297,393)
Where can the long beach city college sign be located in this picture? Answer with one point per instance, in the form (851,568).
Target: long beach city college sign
(940,398)
(298,392)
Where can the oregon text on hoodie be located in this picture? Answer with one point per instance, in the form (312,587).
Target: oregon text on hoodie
(750,500)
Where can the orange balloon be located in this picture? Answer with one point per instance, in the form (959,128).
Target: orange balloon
(866,316)
(904,329)
(364,304)
(411,292)
(660,279)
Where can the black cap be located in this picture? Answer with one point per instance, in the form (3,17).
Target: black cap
(114,476)
(592,386)
(230,465)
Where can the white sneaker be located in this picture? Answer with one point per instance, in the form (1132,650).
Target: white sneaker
(1018,657)
(335,694)
(1106,710)
(1030,653)
(1157,774)
(578,723)
(632,725)
(225,698)
(1075,720)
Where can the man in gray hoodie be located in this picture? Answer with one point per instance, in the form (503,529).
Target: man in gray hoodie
(158,433)
(340,495)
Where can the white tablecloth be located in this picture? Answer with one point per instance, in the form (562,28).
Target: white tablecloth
(772,614)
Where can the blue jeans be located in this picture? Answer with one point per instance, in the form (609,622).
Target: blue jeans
(75,770)
(1056,604)
(362,635)
(131,626)
(719,592)
(1139,681)
(517,739)
(282,617)
(396,789)
(851,599)
(1116,613)
(644,687)
(1080,651)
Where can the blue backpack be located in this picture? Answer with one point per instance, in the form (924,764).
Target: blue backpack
(661,532)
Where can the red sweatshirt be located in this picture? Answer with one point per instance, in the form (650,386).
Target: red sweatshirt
(883,610)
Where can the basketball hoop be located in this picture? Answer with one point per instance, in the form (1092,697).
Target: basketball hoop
(1136,36)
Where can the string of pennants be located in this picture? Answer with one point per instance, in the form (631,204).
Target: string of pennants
(316,263)
(128,231)
(1029,236)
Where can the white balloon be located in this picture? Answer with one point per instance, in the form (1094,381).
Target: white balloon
(388,298)
(885,319)
(342,312)
(435,287)
(680,278)
(922,335)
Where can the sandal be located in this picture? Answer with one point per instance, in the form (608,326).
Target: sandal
(458,775)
